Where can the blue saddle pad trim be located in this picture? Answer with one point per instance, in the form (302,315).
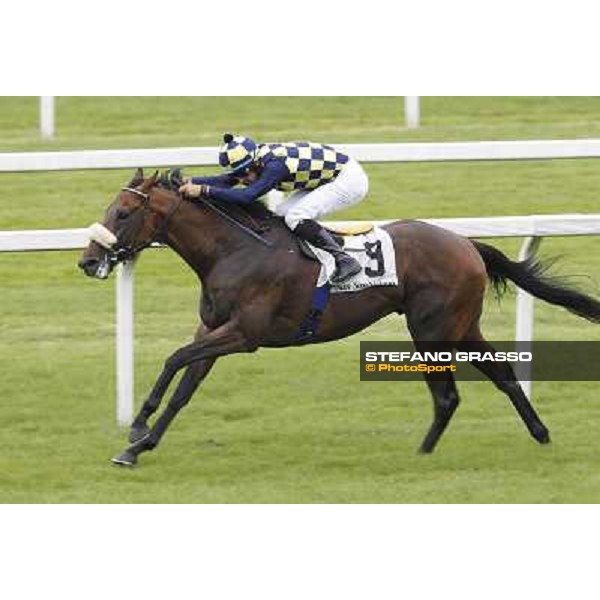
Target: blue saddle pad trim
(310,324)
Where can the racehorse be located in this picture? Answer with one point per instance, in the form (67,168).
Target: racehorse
(256,294)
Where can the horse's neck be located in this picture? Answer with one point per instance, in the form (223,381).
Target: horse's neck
(202,238)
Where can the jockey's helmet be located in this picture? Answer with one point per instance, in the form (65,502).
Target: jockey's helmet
(237,153)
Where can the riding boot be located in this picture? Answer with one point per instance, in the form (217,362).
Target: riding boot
(313,233)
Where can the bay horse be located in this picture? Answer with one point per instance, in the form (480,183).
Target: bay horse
(256,295)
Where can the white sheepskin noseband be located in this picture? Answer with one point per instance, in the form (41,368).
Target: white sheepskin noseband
(101,235)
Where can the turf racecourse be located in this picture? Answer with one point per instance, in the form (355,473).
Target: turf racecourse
(283,425)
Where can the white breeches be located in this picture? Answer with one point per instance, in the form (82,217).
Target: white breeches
(347,189)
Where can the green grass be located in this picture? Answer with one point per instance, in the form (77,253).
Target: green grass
(147,122)
(282,425)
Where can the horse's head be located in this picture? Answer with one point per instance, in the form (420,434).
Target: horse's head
(137,218)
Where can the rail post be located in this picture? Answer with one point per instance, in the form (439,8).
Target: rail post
(124,353)
(47,117)
(524,322)
(412,112)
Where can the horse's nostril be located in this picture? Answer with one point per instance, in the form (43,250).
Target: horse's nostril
(88,264)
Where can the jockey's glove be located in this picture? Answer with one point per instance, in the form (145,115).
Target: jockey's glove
(192,190)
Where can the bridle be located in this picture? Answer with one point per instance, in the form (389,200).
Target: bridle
(123,250)
(121,246)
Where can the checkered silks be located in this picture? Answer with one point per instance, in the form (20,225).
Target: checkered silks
(310,165)
(237,153)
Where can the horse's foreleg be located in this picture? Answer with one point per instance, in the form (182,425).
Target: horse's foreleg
(191,379)
(139,427)
(200,355)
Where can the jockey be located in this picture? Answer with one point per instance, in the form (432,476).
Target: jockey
(321,179)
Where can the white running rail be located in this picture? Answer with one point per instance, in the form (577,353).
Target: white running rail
(207,156)
(533,228)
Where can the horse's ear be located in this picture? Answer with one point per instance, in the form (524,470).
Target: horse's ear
(151,181)
(138,178)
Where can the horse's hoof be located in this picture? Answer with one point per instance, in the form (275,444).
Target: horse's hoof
(126,459)
(541,435)
(545,439)
(138,433)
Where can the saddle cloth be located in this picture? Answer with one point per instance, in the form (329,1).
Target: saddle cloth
(375,253)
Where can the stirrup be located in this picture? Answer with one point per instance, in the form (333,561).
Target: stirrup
(354,269)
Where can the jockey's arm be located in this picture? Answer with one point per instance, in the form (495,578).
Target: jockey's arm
(272,174)
(226,180)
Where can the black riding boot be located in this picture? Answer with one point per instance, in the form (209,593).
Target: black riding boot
(318,236)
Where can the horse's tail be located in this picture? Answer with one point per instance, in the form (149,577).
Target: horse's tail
(531,276)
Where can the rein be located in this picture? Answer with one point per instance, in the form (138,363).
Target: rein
(236,223)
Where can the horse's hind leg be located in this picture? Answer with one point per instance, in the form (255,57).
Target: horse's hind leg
(503,376)
(445,402)
(434,331)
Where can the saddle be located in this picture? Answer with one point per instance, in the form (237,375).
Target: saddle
(338,232)
(350,228)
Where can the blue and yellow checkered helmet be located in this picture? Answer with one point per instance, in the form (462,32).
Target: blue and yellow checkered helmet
(237,153)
